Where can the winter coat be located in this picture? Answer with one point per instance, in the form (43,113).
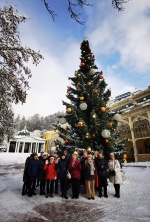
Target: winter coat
(41,175)
(33,168)
(83,161)
(115,165)
(75,169)
(87,175)
(62,168)
(50,171)
(102,166)
(25,174)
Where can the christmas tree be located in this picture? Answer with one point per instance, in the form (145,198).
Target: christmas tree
(88,122)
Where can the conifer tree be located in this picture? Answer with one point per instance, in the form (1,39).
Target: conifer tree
(88,122)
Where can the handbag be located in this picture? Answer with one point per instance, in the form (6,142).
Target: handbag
(68,175)
(112,172)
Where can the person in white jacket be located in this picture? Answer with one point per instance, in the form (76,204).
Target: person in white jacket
(115,175)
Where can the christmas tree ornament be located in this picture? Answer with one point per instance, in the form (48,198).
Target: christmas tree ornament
(66,141)
(82,98)
(103,109)
(110,123)
(69,110)
(93,135)
(106,141)
(82,64)
(89,83)
(57,146)
(80,124)
(91,72)
(105,133)
(78,74)
(87,134)
(78,84)
(89,58)
(96,91)
(94,116)
(100,76)
(89,149)
(83,106)
(62,121)
(117,117)
(68,89)
(124,156)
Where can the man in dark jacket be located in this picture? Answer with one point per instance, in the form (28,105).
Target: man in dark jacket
(41,173)
(25,176)
(102,166)
(33,169)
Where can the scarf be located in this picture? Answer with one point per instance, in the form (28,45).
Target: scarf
(92,168)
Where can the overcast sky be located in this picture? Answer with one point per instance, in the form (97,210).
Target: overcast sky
(120,42)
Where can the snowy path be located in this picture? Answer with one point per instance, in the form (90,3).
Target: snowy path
(133,206)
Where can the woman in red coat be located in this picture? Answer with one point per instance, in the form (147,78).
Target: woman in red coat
(75,170)
(50,176)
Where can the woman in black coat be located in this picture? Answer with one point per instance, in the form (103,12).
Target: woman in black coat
(89,176)
(102,166)
(62,169)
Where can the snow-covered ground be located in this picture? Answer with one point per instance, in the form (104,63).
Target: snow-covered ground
(133,206)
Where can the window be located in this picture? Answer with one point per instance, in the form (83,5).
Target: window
(125,130)
(141,128)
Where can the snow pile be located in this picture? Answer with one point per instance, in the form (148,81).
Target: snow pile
(133,205)
(13,158)
(137,164)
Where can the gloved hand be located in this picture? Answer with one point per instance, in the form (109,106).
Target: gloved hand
(46,162)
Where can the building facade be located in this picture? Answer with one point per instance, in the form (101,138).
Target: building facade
(135,122)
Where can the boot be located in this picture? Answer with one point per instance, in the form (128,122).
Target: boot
(105,192)
(23,190)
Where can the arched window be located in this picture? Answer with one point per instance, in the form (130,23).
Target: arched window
(141,128)
(125,130)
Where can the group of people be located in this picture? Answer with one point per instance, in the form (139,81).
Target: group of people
(48,171)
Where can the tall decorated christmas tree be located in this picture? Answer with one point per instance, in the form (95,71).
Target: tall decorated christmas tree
(88,122)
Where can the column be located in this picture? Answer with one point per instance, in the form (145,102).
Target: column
(133,140)
(37,147)
(8,145)
(148,114)
(44,146)
(16,147)
(31,148)
(23,147)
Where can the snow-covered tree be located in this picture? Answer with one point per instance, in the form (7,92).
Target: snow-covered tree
(14,73)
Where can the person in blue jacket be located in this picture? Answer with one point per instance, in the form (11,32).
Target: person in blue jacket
(33,169)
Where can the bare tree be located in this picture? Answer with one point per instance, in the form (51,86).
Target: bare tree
(14,73)
(74,4)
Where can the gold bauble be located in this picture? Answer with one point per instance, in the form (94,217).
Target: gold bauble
(89,83)
(69,110)
(89,149)
(82,98)
(94,116)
